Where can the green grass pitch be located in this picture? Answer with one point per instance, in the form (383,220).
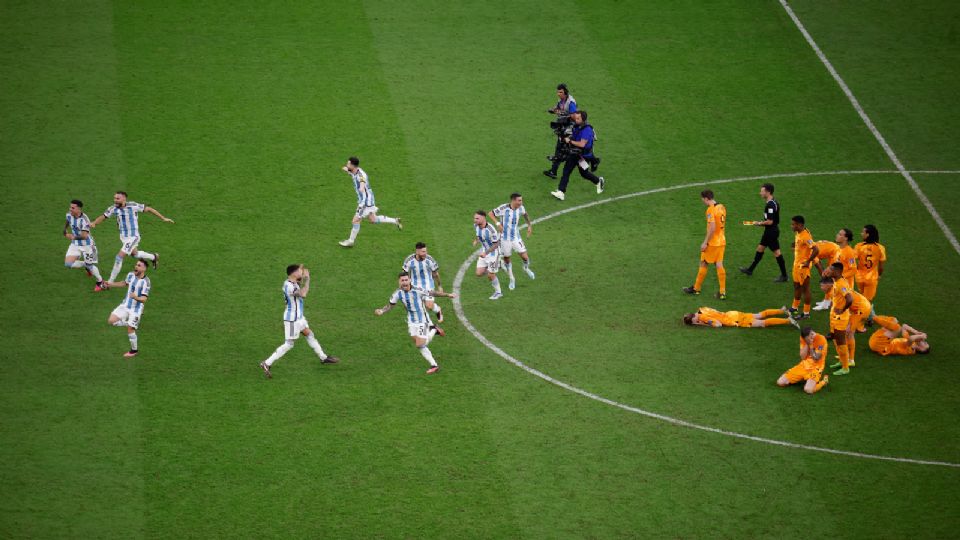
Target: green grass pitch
(234,119)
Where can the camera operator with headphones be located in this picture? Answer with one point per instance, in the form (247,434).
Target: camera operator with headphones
(578,153)
(563,109)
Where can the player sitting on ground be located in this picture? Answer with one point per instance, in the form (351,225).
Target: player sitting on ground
(707,316)
(894,338)
(813,354)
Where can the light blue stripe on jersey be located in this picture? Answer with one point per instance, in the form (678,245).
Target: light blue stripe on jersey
(363,198)
(139,287)
(126,218)
(78,225)
(487,236)
(293,311)
(421,272)
(413,301)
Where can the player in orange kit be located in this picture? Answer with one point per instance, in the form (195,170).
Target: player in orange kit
(894,338)
(714,243)
(871,256)
(813,353)
(804,253)
(843,254)
(707,316)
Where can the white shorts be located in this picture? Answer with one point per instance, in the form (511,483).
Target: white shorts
(491,262)
(130,243)
(364,211)
(87,253)
(507,247)
(293,329)
(421,330)
(128,317)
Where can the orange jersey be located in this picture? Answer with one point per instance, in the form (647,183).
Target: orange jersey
(900,347)
(869,257)
(803,247)
(848,257)
(717,214)
(841,288)
(860,303)
(718,318)
(883,344)
(819,346)
(828,250)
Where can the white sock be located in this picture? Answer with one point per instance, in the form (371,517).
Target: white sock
(121,322)
(133,341)
(509,267)
(526,264)
(75,264)
(435,308)
(315,345)
(117,264)
(496,284)
(425,351)
(385,219)
(145,256)
(354,231)
(95,271)
(281,350)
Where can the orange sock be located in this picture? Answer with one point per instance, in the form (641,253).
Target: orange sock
(844,357)
(890,323)
(821,384)
(806,309)
(770,313)
(776,321)
(722,278)
(702,273)
(796,303)
(851,349)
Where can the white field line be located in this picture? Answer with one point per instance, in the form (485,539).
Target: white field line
(873,129)
(458,309)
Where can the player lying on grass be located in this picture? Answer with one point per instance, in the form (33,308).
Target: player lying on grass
(896,339)
(813,354)
(707,316)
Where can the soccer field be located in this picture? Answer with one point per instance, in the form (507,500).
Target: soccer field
(578,405)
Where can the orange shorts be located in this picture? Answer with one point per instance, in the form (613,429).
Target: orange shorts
(841,322)
(713,254)
(868,288)
(800,274)
(800,372)
(879,341)
(745,320)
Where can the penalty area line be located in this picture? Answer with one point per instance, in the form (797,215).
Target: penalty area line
(458,309)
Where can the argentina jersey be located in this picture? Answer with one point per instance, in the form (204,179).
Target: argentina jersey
(126,218)
(293,310)
(510,218)
(487,236)
(421,272)
(139,287)
(364,198)
(78,225)
(412,300)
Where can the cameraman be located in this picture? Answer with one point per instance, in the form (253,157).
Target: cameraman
(579,155)
(563,109)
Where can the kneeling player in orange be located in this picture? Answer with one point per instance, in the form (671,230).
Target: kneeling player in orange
(813,353)
(893,338)
(706,316)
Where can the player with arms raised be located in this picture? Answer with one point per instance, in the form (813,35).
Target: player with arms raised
(713,245)
(126,213)
(82,252)
(295,289)
(419,326)
(366,203)
(510,240)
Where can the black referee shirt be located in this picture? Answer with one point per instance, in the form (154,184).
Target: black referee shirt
(772,212)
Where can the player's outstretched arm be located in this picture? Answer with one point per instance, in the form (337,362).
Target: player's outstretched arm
(96,221)
(154,212)
(439,292)
(384,309)
(493,219)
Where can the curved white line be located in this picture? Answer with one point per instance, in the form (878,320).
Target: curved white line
(458,309)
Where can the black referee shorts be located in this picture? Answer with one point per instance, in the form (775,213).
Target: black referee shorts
(771,238)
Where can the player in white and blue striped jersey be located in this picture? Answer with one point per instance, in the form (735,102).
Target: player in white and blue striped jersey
(82,252)
(510,240)
(488,262)
(130,310)
(419,326)
(295,289)
(129,225)
(424,274)
(366,203)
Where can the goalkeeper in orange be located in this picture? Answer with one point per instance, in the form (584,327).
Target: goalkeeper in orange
(707,316)
(896,339)
(813,354)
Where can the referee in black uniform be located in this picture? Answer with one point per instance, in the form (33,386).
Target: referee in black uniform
(771,234)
